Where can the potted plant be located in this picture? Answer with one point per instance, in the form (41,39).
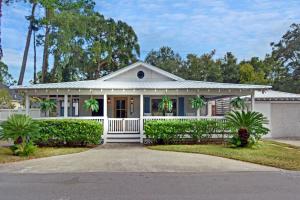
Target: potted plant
(166,106)
(198,102)
(91,104)
(238,103)
(47,106)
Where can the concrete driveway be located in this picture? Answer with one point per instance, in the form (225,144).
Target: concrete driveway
(128,158)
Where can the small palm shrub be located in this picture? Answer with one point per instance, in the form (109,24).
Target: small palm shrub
(23,149)
(23,130)
(91,104)
(247,126)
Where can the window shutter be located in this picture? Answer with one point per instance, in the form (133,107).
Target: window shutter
(146,104)
(181,106)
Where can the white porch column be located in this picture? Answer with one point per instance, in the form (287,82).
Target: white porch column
(27,104)
(66,105)
(198,109)
(105,122)
(252,101)
(141,118)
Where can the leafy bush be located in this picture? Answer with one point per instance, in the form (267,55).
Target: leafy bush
(247,126)
(69,132)
(172,131)
(22,129)
(23,149)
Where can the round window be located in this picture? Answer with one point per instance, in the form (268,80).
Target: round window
(140,74)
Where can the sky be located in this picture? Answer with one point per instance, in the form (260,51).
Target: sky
(244,27)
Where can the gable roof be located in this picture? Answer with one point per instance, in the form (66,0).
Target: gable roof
(138,64)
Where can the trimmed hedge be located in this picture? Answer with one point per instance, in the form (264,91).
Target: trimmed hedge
(174,131)
(69,132)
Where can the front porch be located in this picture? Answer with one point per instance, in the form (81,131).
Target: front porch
(124,116)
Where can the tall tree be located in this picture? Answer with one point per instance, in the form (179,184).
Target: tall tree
(204,67)
(230,68)
(166,59)
(250,76)
(1,51)
(287,53)
(5,77)
(287,50)
(31,19)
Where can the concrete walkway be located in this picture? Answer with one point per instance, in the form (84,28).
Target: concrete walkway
(120,158)
(291,141)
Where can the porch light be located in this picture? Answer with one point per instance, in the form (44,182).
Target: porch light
(108,100)
(131,105)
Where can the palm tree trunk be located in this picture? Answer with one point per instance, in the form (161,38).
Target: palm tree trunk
(26,50)
(1,52)
(46,49)
(34,59)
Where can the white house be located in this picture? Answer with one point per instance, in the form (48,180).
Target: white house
(130,96)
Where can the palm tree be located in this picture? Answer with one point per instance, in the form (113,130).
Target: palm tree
(27,45)
(34,55)
(1,52)
(246,124)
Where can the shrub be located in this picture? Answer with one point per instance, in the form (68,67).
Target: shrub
(19,127)
(22,129)
(69,132)
(247,126)
(172,131)
(23,149)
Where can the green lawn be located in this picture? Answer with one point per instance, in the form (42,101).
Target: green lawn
(266,153)
(6,154)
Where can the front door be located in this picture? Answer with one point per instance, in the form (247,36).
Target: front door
(120,108)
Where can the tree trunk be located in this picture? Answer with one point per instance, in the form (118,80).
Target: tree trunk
(1,52)
(26,50)
(46,49)
(34,59)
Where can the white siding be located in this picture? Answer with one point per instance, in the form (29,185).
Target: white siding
(265,109)
(131,75)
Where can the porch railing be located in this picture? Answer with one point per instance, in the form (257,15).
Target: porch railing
(123,125)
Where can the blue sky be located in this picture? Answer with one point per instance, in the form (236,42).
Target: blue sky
(244,27)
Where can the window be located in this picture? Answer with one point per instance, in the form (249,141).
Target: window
(140,74)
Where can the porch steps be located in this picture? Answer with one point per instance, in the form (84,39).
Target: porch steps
(123,138)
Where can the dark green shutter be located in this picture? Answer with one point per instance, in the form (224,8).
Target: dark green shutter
(181,106)
(146,104)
